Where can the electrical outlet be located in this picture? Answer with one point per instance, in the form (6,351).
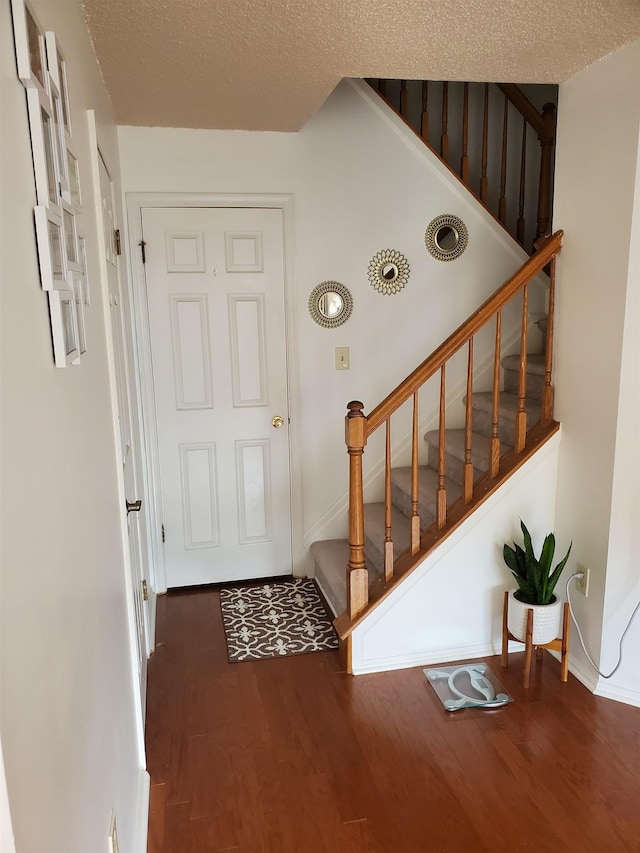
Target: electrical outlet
(582,584)
(113,835)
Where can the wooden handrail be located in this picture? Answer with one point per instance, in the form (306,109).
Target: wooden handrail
(524,106)
(547,250)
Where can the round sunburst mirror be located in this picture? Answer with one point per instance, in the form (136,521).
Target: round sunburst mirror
(446,237)
(388,271)
(330,304)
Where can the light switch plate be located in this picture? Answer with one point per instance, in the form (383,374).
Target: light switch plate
(342,358)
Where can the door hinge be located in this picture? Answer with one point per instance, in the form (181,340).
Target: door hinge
(163,532)
(145,591)
(116,241)
(142,245)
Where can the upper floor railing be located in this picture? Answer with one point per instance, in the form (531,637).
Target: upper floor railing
(486,133)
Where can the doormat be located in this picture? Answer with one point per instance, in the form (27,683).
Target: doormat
(271,620)
(471,685)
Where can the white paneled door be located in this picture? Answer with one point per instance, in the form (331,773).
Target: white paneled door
(215,293)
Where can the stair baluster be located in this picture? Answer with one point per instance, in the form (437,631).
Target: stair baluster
(424,116)
(547,394)
(357,574)
(444,138)
(467,492)
(502,201)
(464,160)
(523,168)
(484,185)
(495,403)
(415,513)
(441,505)
(403,98)
(521,419)
(388,540)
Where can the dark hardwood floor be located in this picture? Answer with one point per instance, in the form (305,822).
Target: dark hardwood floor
(294,756)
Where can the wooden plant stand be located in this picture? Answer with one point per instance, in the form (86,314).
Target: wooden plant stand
(560,644)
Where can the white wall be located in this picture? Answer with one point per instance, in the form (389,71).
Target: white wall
(450,608)
(69,725)
(598,391)
(362,183)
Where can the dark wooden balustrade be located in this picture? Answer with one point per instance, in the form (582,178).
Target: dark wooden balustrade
(502,460)
(510,201)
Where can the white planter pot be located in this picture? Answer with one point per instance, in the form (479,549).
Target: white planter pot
(546,619)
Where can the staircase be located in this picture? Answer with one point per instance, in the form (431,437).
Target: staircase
(506,420)
(331,556)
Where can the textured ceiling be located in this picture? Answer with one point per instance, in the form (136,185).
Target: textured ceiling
(269,64)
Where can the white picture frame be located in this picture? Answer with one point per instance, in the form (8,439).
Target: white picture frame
(51,253)
(76,284)
(29,37)
(64,327)
(43,147)
(61,143)
(73,194)
(72,260)
(57,68)
(82,249)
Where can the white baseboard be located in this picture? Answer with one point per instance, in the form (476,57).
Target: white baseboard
(422,658)
(141,814)
(618,694)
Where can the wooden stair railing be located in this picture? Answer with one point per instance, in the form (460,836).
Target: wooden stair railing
(496,200)
(359,427)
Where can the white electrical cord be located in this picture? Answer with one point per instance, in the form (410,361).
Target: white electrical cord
(584,648)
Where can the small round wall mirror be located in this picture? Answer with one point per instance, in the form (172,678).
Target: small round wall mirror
(446,237)
(330,304)
(388,271)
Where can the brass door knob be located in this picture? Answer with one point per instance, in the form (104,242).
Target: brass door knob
(277,422)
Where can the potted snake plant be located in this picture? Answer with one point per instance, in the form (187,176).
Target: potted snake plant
(536,581)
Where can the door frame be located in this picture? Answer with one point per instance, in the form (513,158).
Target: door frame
(138,682)
(135,202)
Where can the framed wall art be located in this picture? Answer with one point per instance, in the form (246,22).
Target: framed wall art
(64,327)
(58,75)
(43,147)
(51,252)
(76,284)
(30,46)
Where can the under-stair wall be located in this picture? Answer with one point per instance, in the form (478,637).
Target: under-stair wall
(450,607)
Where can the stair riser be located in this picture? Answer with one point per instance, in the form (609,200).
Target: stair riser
(454,467)
(506,426)
(402,501)
(535,384)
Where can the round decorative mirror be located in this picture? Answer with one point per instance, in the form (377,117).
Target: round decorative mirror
(330,304)
(388,271)
(446,237)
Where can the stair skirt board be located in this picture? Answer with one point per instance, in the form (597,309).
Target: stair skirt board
(402,631)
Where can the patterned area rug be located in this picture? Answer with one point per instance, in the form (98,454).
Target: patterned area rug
(275,619)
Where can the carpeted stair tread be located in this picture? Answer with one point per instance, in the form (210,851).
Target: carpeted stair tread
(331,557)
(535,363)
(374,536)
(483,402)
(427,492)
